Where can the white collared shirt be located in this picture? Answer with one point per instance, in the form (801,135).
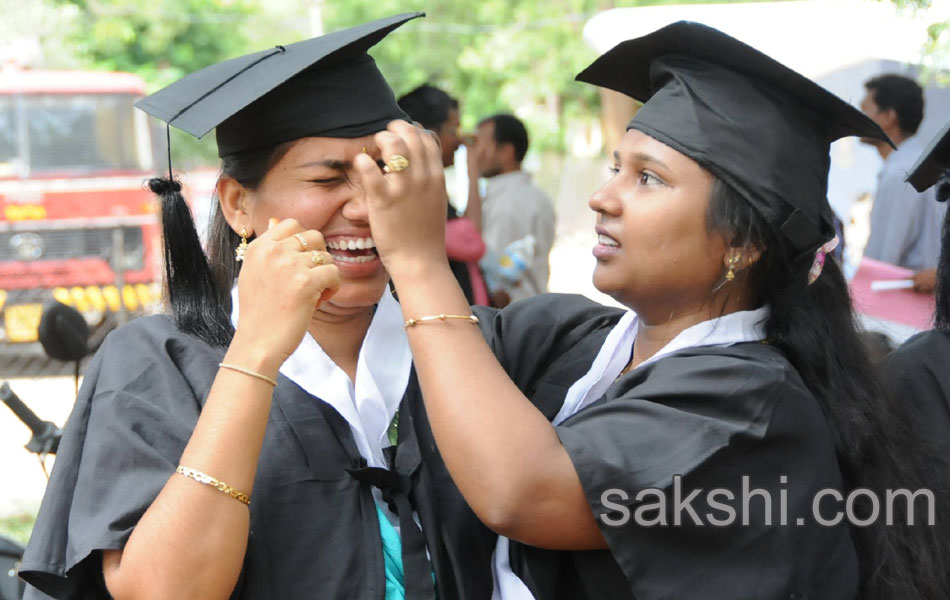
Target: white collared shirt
(382,374)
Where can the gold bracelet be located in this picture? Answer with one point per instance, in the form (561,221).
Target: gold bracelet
(269,380)
(209,480)
(411,322)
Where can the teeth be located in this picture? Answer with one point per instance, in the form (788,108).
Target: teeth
(606,241)
(352,244)
(353,259)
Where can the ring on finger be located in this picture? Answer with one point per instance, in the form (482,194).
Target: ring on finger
(317,258)
(396,163)
(303,242)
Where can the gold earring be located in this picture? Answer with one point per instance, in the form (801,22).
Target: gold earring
(242,247)
(733,263)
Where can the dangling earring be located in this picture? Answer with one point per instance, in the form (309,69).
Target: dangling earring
(733,263)
(242,247)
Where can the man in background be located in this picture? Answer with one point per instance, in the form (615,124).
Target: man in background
(516,216)
(905,224)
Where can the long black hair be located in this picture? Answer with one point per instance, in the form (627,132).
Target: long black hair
(198,286)
(814,326)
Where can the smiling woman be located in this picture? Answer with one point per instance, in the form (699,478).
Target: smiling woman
(737,367)
(249,444)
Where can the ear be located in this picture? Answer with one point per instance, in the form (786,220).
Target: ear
(889,118)
(741,258)
(234,199)
(506,154)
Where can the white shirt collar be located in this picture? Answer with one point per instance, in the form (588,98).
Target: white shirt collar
(734,328)
(382,374)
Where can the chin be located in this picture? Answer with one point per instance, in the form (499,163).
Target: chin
(360,293)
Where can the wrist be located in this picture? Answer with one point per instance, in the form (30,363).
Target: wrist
(421,274)
(249,354)
(412,269)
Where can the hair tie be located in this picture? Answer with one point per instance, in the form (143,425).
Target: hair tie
(163,185)
(819,263)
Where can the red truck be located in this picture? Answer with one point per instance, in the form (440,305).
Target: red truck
(76,221)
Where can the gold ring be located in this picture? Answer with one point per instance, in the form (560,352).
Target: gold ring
(317,258)
(396,163)
(303,242)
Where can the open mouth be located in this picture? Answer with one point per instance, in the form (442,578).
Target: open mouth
(607,241)
(352,250)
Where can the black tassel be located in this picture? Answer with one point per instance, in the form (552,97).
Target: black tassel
(193,296)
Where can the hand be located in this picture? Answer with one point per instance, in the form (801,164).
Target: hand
(406,208)
(279,288)
(925,281)
(499,299)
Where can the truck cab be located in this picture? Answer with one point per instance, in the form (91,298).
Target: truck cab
(77,223)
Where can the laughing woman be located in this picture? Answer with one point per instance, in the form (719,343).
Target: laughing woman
(702,426)
(247,445)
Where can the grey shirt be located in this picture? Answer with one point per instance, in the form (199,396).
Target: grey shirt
(513,208)
(905,223)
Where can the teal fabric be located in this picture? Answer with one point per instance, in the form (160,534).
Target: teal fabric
(392,558)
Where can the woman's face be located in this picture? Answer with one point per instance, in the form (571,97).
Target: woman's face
(654,253)
(315,183)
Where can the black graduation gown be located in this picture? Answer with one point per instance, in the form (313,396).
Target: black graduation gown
(314,530)
(918,379)
(710,415)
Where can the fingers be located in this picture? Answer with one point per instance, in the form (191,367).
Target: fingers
(292,234)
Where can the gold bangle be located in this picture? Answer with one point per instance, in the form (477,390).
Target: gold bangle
(269,380)
(218,485)
(411,322)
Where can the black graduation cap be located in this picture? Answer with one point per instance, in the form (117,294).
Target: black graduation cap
(933,164)
(762,128)
(327,86)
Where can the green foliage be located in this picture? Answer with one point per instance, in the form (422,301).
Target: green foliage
(18,526)
(493,55)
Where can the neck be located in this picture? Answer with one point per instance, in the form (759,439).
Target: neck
(897,136)
(656,329)
(341,336)
(505,169)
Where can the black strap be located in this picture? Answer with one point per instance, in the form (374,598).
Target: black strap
(417,572)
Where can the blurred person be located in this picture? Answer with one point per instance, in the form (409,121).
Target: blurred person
(266,439)
(438,112)
(917,372)
(738,357)
(516,217)
(905,223)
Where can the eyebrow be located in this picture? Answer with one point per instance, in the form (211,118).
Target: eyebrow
(644,158)
(331,163)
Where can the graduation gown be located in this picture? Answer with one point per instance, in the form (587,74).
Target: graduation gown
(711,415)
(917,377)
(314,531)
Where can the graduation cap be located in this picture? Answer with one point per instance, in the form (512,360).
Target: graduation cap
(757,125)
(933,164)
(327,86)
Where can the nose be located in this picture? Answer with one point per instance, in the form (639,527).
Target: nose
(354,205)
(604,202)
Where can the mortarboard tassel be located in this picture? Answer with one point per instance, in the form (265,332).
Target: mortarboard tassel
(186,267)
